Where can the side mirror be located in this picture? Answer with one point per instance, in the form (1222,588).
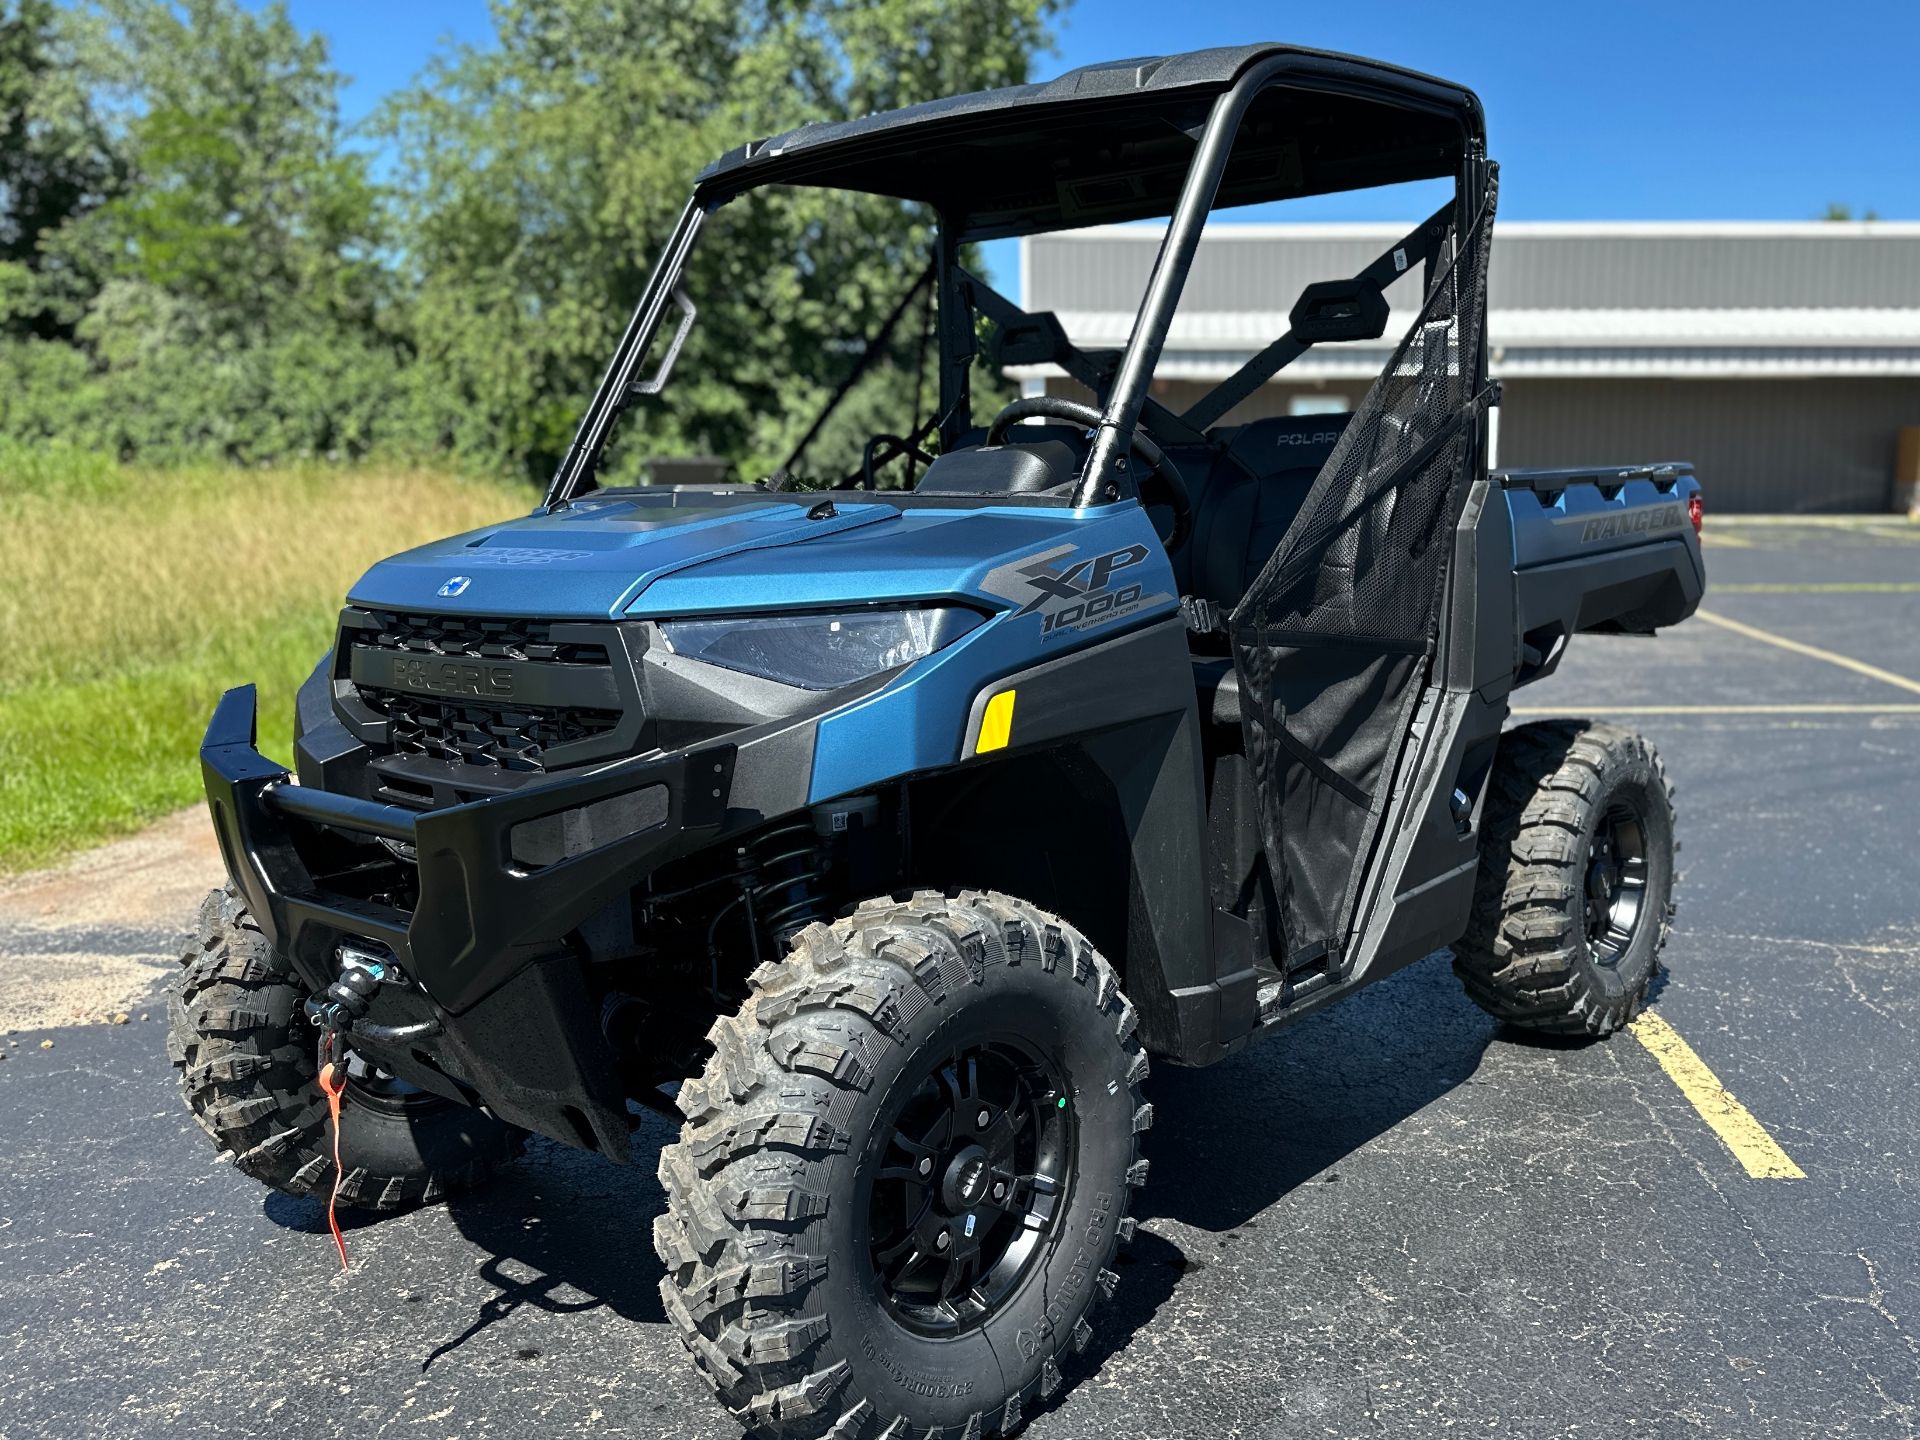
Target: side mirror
(1339,310)
(1036,339)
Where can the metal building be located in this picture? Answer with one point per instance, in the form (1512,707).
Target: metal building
(1782,359)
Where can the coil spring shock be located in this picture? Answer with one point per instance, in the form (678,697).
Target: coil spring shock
(782,890)
(788,890)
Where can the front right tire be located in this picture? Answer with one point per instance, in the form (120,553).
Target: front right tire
(904,1172)
(248,1061)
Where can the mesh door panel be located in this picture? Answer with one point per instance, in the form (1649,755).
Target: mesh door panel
(1331,641)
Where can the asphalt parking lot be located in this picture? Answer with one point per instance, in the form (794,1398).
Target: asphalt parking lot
(1394,1219)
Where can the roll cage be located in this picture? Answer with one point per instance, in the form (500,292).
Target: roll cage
(1173,136)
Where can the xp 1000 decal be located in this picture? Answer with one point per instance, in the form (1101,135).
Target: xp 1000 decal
(1072,593)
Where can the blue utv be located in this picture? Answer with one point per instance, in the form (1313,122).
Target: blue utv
(896,828)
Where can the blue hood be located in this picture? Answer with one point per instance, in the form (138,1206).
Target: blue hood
(608,556)
(589,560)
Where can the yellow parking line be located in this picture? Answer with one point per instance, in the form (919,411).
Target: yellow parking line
(1757,1151)
(1816,522)
(1601,707)
(1844,587)
(1767,637)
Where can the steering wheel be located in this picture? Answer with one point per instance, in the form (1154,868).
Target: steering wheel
(1172,488)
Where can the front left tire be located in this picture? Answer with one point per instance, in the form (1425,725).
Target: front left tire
(904,1173)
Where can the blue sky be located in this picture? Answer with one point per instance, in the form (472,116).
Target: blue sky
(1617,110)
(1608,110)
(1621,109)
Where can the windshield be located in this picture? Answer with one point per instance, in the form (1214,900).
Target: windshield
(802,343)
(844,339)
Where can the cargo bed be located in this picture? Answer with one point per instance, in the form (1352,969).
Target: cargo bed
(1608,549)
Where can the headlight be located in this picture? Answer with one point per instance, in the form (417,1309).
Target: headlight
(824,651)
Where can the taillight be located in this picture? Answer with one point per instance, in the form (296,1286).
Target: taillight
(1696,511)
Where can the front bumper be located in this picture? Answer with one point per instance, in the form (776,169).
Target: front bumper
(497,1012)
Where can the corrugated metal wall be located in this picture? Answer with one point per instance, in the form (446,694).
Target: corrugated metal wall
(1760,445)
(1845,267)
(1815,267)
(1110,272)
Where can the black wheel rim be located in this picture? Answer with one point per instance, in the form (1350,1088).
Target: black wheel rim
(972,1177)
(1616,881)
(372,1088)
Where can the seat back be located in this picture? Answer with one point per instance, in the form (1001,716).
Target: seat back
(1244,500)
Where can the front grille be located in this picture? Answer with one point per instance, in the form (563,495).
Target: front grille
(476,734)
(476,638)
(505,694)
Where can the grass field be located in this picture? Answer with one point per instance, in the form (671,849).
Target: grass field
(133,598)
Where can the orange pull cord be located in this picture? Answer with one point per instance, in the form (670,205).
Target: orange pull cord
(333,1083)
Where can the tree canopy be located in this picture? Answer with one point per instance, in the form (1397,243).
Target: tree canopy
(198,259)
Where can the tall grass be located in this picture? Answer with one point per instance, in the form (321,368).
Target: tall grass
(131,599)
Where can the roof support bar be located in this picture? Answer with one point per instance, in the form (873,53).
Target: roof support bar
(1092,372)
(1115,435)
(954,323)
(1420,244)
(1100,481)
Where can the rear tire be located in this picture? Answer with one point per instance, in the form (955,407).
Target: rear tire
(1575,894)
(247,1058)
(790,1189)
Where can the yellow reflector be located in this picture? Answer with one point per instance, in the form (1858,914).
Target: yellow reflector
(996,725)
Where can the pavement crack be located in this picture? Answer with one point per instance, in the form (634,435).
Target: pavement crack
(1659,1122)
(1892,950)
(1875,1300)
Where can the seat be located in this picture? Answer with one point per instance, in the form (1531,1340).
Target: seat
(1244,500)
(1034,460)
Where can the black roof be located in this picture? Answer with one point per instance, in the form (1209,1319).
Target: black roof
(1108,142)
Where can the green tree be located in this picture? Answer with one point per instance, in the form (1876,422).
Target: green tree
(196,262)
(541,175)
(56,164)
(237,303)
(245,202)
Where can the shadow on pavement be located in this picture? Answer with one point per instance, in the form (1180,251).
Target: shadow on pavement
(567,1232)
(1229,1141)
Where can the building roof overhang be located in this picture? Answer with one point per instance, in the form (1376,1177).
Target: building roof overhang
(1679,344)
(1642,299)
